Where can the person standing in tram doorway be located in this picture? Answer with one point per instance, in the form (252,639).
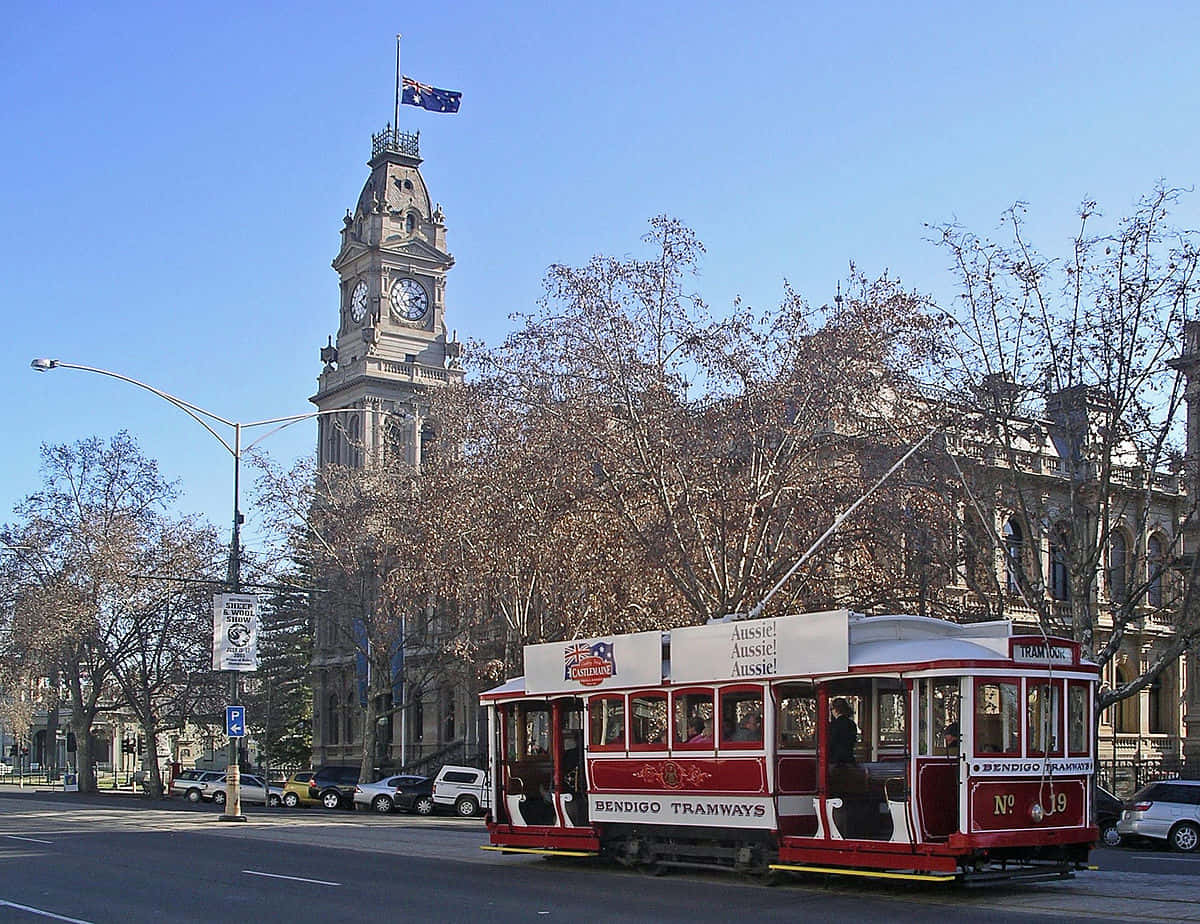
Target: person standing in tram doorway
(843,734)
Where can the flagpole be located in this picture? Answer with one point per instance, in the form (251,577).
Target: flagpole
(396,122)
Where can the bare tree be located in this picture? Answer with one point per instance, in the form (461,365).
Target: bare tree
(702,457)
(1091,336)
(157,638)
(84,531)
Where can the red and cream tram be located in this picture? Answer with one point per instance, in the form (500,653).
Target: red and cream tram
(714,746)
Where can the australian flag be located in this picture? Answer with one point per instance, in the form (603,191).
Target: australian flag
(431,98)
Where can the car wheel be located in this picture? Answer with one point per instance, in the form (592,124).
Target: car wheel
(1185,837)
(219,797)
(331,800)
(290,799)
(1110,836)
(466,806)
(193,796)
(424,805)
(382,804)
(273,799)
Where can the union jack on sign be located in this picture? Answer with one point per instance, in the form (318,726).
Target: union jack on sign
(587,664)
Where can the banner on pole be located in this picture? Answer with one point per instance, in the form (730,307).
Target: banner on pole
(235,632)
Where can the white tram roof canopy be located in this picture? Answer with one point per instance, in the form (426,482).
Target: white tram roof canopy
(798,645)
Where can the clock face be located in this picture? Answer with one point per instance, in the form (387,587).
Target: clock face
(409,299)
(358,302)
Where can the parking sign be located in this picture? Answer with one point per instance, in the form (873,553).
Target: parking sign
(235,721)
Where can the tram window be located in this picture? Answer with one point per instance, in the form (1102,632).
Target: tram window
(1078,724)
(939,708)
(797,718)
(648,720)
(1044,717)
(891,719)
(528,732)
(741,717)
(997,717)
(694,718)
(606,725)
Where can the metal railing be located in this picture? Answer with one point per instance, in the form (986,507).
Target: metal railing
(1124,777)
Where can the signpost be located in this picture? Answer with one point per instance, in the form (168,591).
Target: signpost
(235,721)
(235,649)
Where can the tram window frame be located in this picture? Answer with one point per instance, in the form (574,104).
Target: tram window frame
(1085,726)
(638,742)
(929,728)
(1016,727)
(897,741)
(736,697)
(599,734)
(786,737)
(1057,732)
(691,699)
(519,736)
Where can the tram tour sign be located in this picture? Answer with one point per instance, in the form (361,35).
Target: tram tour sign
(758,649)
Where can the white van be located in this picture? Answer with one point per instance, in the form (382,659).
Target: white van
(463,788)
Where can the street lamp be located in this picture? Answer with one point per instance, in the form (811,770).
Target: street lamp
(207,419)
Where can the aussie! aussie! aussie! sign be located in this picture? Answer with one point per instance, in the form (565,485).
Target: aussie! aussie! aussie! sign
(583,665)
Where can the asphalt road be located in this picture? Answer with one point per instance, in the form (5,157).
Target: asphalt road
(112,859)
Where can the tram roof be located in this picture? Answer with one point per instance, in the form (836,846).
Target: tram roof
(885,643)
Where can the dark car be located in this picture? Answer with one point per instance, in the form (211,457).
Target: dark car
(416,797)
(333,787)
(1108,813)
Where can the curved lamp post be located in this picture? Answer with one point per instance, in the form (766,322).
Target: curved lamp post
(208,420)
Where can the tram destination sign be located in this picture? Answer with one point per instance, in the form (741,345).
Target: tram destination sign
(758,649)
(1042,651)
(584,665)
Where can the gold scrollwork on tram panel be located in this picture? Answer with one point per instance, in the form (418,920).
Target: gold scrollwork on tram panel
(671,775)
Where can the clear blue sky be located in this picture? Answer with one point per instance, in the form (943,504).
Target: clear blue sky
(175,174)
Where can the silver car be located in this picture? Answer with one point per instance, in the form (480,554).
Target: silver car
(251,789)
(380,795)
(1168,810)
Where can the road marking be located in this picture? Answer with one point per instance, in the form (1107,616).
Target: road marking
(32,840)
(45,914)
(254,872)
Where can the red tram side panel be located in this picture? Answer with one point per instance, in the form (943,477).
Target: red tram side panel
(715,746)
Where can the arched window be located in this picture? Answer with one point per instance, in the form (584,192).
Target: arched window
(354,440)
(1155,564)
(333,719)
(410,223)
(1060,585)
(1014,551)
(1126,716)
(1118,589)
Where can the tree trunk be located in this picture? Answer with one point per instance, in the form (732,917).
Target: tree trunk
(81,727)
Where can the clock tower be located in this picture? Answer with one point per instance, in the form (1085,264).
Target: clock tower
(391,352)
(392,345)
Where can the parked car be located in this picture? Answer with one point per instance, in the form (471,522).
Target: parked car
(252,790)
(380,795)
(464,788)
(295,789)
(1108,813)
(333,787)
(195,785)
(416,797)
(1168,811)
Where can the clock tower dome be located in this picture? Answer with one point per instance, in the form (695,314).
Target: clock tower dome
(392,345)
